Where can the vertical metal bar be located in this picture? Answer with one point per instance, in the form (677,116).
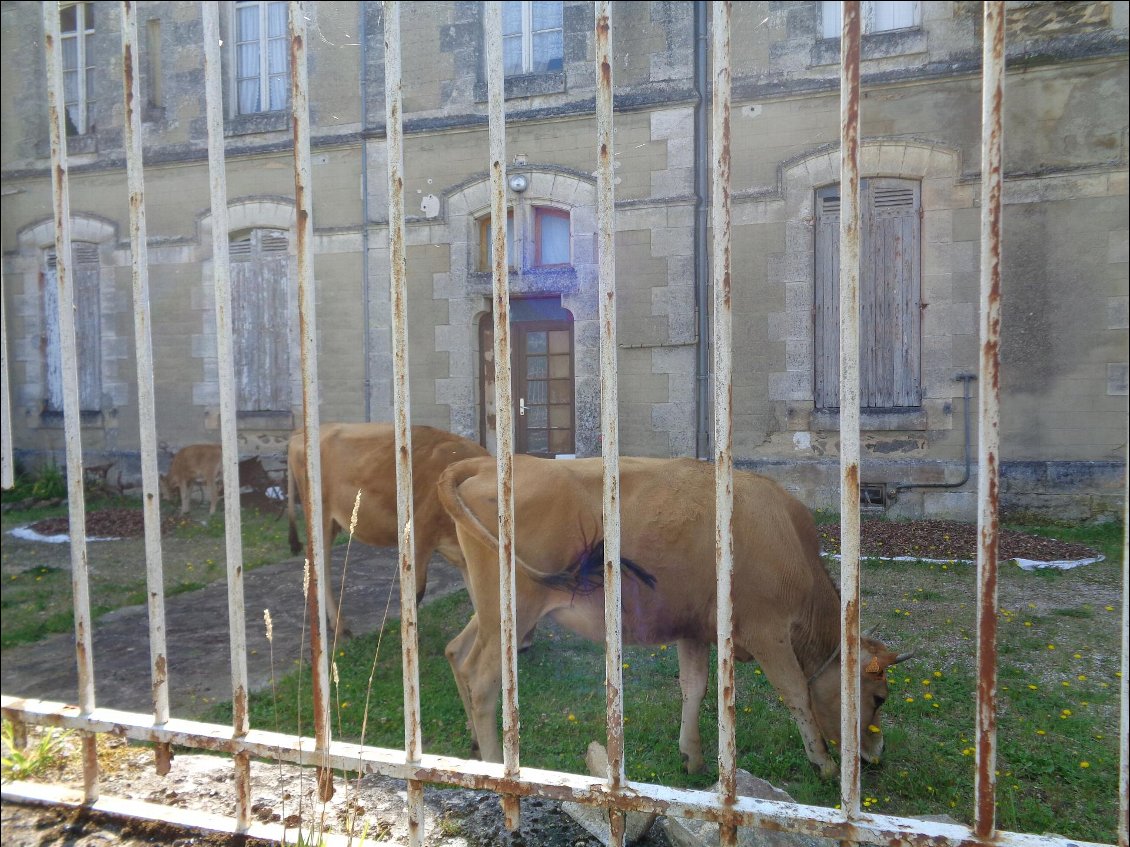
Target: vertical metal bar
(496,110)
(307,330)
(72,429)
(1124,731)
(398,297)
(217,174)
(7,460)
(610,433)
(723,416)
(143,340)
(988,429)
(849,410)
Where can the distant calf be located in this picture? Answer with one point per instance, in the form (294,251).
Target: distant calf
(194,463)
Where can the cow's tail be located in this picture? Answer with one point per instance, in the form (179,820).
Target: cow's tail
(584,574)
(292,535)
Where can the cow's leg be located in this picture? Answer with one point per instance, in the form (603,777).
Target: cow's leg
(775,654)
(213,496)
(693,660)
(337,623)
(457,652)
(185,496)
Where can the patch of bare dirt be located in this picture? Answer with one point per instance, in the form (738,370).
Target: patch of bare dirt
(938,539)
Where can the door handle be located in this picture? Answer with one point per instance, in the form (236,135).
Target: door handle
(521,405)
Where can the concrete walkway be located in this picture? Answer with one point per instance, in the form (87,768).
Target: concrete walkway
(196,624)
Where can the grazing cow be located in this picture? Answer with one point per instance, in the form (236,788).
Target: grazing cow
(362,457)
(192,464)
(786,608)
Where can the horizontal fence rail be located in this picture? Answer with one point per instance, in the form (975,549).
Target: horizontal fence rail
(509,779)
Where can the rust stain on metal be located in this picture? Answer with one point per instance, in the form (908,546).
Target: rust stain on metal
(239,711)
(127,70)
(164,758)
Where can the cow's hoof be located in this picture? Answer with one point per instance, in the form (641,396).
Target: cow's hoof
(690,766)
(828,769)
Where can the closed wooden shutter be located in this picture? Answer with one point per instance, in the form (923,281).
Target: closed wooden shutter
(85,279)
(260,280)
(889,295)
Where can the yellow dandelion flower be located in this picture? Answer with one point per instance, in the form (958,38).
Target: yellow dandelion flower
(572,717)
(1110,608)
(1027,623)
(873,729)
(909,699)
(927,696)
(1078,655)
(1051,646)
(937,674)
(1082,677)
(1084,764)
(1033,687)
(1040,732)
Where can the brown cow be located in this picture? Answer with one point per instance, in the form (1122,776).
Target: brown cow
(362,456)
(786,609)
(192,464)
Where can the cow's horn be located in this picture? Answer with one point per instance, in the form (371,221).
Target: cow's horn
(871,631)
(902,657)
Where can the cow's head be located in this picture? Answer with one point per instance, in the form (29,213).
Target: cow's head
(824,689)
(164,489)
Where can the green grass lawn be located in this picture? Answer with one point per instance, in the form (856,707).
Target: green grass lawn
(36,596)
(1058,689)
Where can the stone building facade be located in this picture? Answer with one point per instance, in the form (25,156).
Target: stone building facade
(1065,336)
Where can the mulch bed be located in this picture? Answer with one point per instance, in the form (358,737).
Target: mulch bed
(106,523)
(949,540)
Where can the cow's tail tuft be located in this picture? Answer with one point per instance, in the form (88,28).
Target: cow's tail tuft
(586,573)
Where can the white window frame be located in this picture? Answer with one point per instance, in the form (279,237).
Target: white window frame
(264,75)
(84,68)
(528,33)
(831,16)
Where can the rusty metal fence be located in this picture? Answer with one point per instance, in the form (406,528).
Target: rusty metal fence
(510,780)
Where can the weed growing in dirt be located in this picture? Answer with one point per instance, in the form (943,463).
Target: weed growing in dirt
(20,762)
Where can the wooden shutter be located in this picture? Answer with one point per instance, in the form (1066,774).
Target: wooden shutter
(889,295)
(85,274)
(260,279)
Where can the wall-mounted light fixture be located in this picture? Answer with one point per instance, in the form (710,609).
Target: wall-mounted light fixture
(518,183)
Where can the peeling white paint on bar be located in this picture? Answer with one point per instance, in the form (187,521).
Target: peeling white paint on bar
(217,177)
(398,298)
(72,430)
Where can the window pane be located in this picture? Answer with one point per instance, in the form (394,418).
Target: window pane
(70,86)
(554,246)
(561,391)
(70,54)
(512,55)
(561,417)
(537,367)
(547,15)
(276,56)
(559,367)
(88,10)
(68,17)
(537,416)
(276,20)
(831,18)
(248,96)
(547,51)
(512,18)
(247,23)
(893,15)
(537,441)
(89,89)
(561,441)
(279,89)
(536,393)
(559,341)
(535,342)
